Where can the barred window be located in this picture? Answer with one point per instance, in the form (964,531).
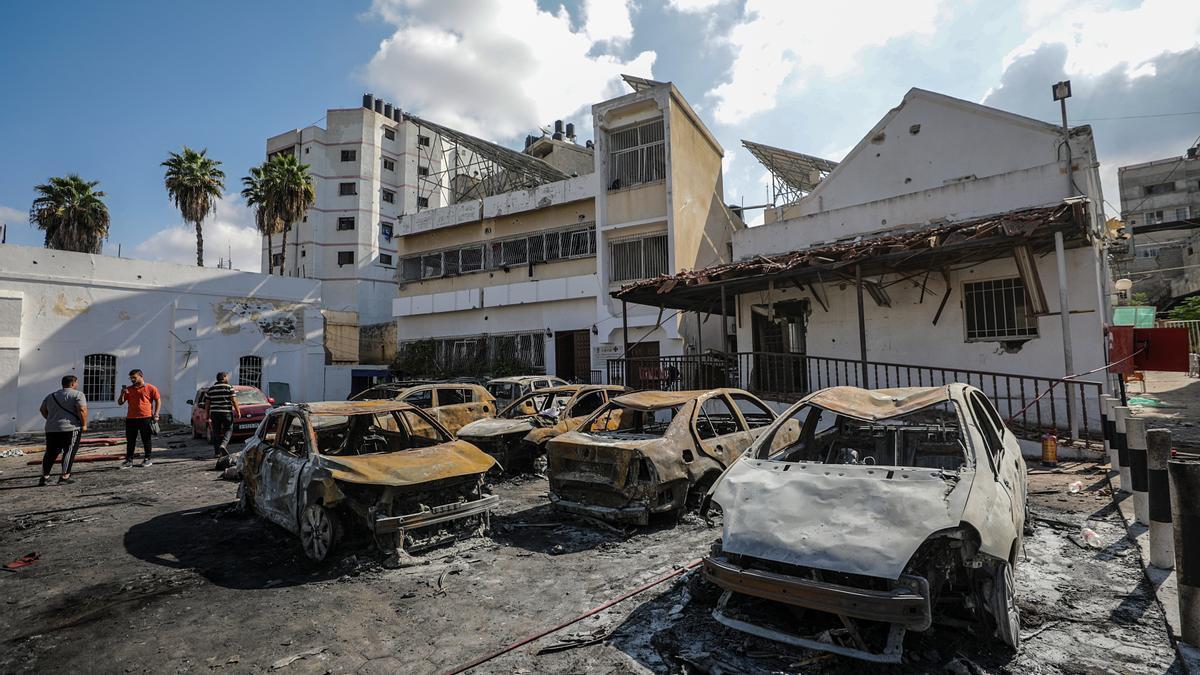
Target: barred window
(431,265)
(250,371)
(637,258)
(100,377)
(410,269)
(637,155)
(347,189)
(576,242)
(349,155)
(997,310)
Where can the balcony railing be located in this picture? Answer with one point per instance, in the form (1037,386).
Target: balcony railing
(1030,403)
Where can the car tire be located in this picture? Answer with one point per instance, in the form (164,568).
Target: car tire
(1005,614)
(319,532)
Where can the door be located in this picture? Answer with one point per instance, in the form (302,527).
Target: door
(1008,508)
(721,432)
(573,355)
(457,407)
(279,491)
(779,344)
(199,419)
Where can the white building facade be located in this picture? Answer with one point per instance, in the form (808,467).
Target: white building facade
(98,317)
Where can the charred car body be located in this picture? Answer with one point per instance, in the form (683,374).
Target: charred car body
(508,389)
(517,435)
(452,404)
(383,467)
(652,452)
(874,512)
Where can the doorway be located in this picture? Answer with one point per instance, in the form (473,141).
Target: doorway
(779,335)
(573,355)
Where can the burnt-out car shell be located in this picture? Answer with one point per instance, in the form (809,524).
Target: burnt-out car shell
(875,506)
(517,435)
(651,452)
(383,465)
(452,404)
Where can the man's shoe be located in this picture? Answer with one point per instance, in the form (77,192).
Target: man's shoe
(126,464)
(42,481)
(65,481)
(146,462)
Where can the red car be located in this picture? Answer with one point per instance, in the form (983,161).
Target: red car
(251,401)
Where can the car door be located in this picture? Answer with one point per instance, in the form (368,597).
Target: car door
(199,419)
(1005,482)
(283,461)
(1010,466)
(455,407)
(581,408)
(720,431)
(754,412)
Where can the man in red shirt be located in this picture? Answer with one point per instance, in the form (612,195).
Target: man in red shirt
(143,401)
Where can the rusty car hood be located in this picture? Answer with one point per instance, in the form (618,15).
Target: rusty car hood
(410,467)
(845,518)
(490,427)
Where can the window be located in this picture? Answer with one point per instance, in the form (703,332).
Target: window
(1160,189)
(423,140)
(453,396)
(1153,218)
(576,242)
(293,441)
(345,258)
(716,418)
(286,151)
(422,202)
(389,134)
(346,223)
(1181,213)
(389,196)
(269,430)
(250,371)
(1147,251)
(349,155)
(755,414)
(996,310)
(347,189)
(637,258)
(636,155)
(386,230)
(422,171)
(587,404)
(990,436)
(388,165)
(385,259)
(276,260)
(100,377)
(422,399)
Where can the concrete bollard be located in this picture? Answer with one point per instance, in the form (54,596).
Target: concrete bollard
(1120,414)
(1135,439)
(1185,516)
(1106,429)
(1158,453)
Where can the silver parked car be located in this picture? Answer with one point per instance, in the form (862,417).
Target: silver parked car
(868,513)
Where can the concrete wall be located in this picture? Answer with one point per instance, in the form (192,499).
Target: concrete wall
(179,324)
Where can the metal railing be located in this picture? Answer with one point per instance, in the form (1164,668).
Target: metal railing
(1030,403)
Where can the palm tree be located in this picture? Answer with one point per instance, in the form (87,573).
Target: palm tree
(194,183)
(289,193)
(72,213)
(255,194)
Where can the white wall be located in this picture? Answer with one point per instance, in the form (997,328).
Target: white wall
(179,324)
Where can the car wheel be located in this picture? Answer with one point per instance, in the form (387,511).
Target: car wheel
(319,531)
(1005,613)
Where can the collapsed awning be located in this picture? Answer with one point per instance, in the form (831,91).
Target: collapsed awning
(902,251)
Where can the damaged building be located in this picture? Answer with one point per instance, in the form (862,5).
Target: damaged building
(906,244)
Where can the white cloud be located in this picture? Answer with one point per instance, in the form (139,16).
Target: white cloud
(230,230)
(693,5)
(778,41)
(607,20)
(13,216)
(1102,38)
(498,69)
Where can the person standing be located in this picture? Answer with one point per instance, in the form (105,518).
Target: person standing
(66,416)
(221,407)
(143,401)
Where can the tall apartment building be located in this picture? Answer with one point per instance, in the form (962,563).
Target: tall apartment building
(1160,205)
(525,275)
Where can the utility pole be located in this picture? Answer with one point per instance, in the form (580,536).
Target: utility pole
(1062,91)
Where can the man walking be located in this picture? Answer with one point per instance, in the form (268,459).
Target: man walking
(220,403)
(143,401)
(66,416)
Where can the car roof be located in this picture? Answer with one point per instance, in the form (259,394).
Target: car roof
(875,404)
(517,379)
(353,407)
(650,400)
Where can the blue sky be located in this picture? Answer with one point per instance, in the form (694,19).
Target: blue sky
(107,89)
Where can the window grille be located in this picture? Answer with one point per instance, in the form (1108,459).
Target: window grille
(471,259)
(997,310)
(250,371)
(410,269)
(388,165)
(576,242)
(638,258)
(431,265)
(637,155)
(100,377)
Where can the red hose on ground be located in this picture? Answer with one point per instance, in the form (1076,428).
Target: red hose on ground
(595,610)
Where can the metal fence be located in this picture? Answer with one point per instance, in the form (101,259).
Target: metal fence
(1030,403)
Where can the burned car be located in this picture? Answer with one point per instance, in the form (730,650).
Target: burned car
(652,452)
(517,435)
(452,404)
(384,468)
(861,514)
(509,389)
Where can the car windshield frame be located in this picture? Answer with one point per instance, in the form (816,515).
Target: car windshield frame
(250,397)
(320,422)
(803,411)
(510,411)
(613,404)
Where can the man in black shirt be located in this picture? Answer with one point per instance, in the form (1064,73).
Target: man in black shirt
(221,406)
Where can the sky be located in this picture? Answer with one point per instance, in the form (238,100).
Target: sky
(106,90)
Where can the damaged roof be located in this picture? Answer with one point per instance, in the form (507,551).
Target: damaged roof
(354,407)
(652,400)
(878,404)
(910,249)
